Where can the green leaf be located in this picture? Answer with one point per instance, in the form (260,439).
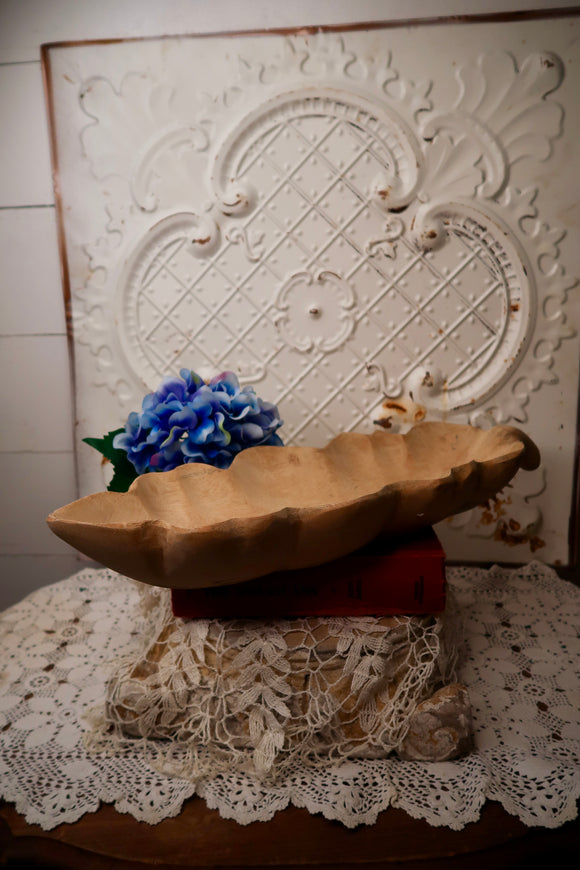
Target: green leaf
(105,445)
(123,477)
(124,471)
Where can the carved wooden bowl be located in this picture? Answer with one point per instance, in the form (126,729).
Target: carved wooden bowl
(279,508)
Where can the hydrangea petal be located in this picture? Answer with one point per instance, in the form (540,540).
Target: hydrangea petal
(123,441)
(203,432)
(173,438)
(185,417)
(249,432)
(156,435)
(222,436)
(187,420)
(192,453)
(226,381)
(192,380)
(172,388)
(204,401)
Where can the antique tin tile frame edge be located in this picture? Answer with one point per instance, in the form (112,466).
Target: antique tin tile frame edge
(570,571)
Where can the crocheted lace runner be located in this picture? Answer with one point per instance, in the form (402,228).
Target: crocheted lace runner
(60,645)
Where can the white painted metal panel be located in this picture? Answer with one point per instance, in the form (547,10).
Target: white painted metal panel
(373,224)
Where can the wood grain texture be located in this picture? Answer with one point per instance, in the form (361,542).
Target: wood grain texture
(234,525)
(200,839)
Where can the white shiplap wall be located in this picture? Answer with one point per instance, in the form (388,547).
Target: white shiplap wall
(36,454)
(36,458)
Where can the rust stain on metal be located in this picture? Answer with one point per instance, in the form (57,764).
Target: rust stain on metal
(228,208)
(493,509)
(508,530)
(513,540)
(487,518)
(410,411)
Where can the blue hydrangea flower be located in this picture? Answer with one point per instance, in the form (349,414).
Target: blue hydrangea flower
(187,420)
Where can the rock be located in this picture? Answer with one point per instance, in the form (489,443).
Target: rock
(440,728)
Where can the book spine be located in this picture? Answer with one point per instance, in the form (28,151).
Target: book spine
(361,588)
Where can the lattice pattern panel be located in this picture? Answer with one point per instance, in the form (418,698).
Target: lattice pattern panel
(361,226)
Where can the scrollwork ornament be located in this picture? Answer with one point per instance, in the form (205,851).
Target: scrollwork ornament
(393,137)
(252,249)
(237,199)
(145,178)
(445,170)
(203,237)
(393,229)
(501,116)
(378,381)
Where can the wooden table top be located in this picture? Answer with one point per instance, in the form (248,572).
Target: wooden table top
(199,838)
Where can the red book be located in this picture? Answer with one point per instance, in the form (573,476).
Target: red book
(380,579)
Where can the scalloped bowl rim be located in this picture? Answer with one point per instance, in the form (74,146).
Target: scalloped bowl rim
(520,452)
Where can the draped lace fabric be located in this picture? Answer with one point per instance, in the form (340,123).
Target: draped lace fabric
(207,696)
(61,755)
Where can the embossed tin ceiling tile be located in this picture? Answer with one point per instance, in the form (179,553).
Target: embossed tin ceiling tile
(372,226)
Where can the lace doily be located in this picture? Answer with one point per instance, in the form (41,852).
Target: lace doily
(59,645)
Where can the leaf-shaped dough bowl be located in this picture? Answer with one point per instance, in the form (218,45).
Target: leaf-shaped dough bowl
(278,508)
